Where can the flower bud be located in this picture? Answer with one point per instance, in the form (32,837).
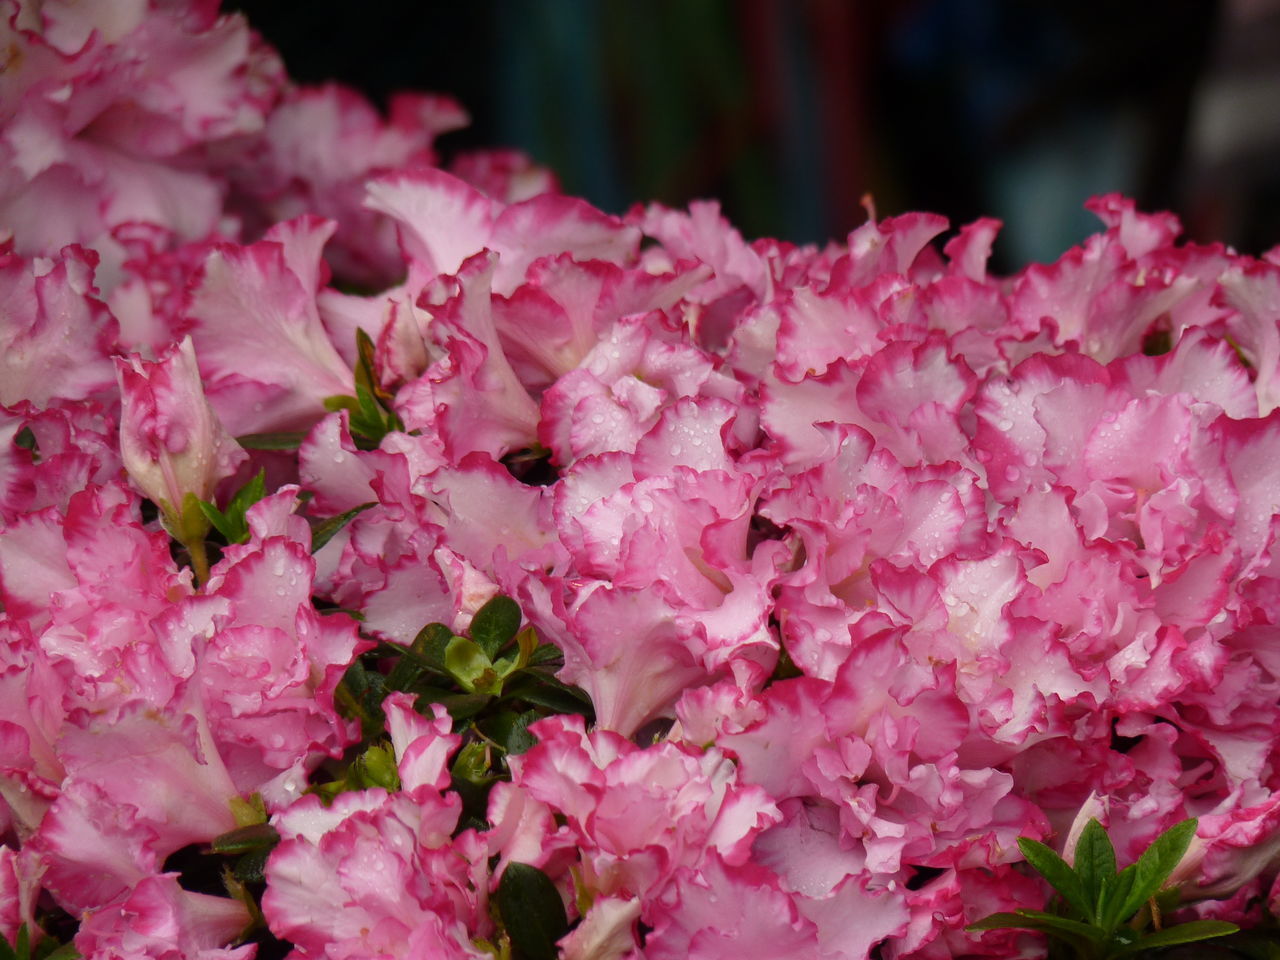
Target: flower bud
(171,441)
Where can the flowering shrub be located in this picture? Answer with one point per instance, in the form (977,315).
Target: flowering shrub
(408,562)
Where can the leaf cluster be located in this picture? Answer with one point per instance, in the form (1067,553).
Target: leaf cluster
(494,682)
(1102,913)
(371,415)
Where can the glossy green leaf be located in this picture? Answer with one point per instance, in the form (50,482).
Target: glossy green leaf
(252,867)
(242,839)
(510,730)
(461,706)
(280,440)
(325,530)
(495,624)
(1082,944)
(1116,896)
(360,695)
(1059,874)
(231,522)
(1152,869)
(545,653)
(532,911)
(540,690)
(1095,862)
(425,654)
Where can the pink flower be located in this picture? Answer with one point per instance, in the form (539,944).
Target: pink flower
(638,815)
(444,222)
(158,920)
(55,335)
(267,361)
(382,874)
(101,106)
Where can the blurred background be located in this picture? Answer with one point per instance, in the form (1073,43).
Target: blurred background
(791,111)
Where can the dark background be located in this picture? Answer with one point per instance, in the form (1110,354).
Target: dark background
(789,111)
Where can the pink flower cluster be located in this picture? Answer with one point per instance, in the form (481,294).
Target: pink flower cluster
(870,562)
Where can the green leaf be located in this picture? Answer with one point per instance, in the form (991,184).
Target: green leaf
(510,730)
(325,530)
(495,624)
(22,943)
(1059,874)
(461,706)
(231,522)
(531,911)
(1095,864)
(243,839)
(1182,933)
(1083,944)
(545,653)
(467,663)
(1117,894)
(360,694)
(252,867)
(280,440)
(1039,920)
(997,921)
(1152,869)
(67,951)
(426,653)
(540,690)
(218,520)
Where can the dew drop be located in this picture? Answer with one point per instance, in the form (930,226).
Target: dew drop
(1005,424)
(1011,473)
(676,450)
